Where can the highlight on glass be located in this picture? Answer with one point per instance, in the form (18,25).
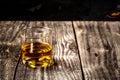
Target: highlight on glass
(36,47)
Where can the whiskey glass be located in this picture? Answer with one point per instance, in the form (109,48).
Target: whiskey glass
(36,47)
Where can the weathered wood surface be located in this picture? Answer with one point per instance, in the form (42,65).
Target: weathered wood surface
(9,48)
(99,46)
(83,50)
(67,63)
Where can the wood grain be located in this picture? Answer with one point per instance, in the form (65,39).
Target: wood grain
(66,57)
(9,48)
(97,56)
(99,46)
(66,54)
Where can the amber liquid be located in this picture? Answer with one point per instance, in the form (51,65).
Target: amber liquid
(37,55)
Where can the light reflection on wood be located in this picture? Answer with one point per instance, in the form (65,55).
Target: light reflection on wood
(98,43)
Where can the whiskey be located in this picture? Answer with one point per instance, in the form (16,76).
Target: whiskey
(37,54)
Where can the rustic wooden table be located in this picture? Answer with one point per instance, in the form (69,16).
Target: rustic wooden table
(83,50)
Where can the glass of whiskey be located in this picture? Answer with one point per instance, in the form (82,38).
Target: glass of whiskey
(36,47)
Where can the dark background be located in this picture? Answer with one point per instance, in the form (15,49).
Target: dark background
(56,9)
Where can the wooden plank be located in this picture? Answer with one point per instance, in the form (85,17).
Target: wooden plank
(23,72)
(67,63)
(9,47)
(99,46)
(66,55)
